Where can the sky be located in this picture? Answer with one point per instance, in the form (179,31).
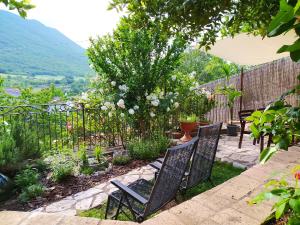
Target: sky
(77,19)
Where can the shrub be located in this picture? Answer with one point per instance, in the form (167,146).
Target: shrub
(28,182)
(98,152)
(31,192)
(121,160)
(62,167)
(82,155)
(27,178)
(87,170)
(148,149)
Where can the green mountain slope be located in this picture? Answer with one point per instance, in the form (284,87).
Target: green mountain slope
(29,47)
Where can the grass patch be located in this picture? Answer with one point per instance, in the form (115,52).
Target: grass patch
(221,173)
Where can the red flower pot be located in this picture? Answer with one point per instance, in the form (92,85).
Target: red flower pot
(187,128)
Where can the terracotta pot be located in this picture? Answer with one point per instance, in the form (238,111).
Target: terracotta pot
(187,128)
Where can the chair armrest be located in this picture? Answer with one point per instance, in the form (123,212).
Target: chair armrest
(156,165)
(130,192)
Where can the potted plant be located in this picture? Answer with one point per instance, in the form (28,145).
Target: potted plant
(232,94)
(188,123)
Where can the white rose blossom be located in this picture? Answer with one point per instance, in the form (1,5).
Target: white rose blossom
(110,114)
(123,88)
(131,111)
(5,123)
(121,104)
(176,105)
(122,114)
(104,108)
(173,78)
(113,83)
(155,102)
(136,107)
(168,109)
(152,114)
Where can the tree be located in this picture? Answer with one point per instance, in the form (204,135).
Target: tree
(22,6)
(205,19)
(135,66)
(205,67)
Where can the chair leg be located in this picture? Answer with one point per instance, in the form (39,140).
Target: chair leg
(106,211)
(242,134)
(119,208)
(254,141)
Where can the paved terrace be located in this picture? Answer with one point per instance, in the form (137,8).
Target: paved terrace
(224,204)
(228,151)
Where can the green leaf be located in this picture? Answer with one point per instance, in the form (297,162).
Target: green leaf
(297,192)
(282,21)
(254,130)
(295,56)
(290,48)
(295,204)
(266,154)
(279,192)
(280,210)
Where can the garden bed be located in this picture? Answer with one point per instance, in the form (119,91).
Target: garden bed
(72,185)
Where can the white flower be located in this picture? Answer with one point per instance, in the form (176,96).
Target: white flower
(70,104)
(92,66)
(121,103)
(155,102)
(122,114)
(84,96)
(168,109)
(104,108)
(152,114)
(5,123)
(153,97)
(107,104)
(192,74)
(170,93)
(171,100)
(136,107)
(113,83)
(131,111)
(173,77)
(110,114)
(146,94)
(148,97)
(176,105)
(123,88)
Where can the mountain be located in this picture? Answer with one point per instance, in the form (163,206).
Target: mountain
(29,47)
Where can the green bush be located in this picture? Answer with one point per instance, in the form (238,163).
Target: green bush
(148,149)
(31,192)
(121,160)
(87,170)
(98,152)
(28,181)
(62,167)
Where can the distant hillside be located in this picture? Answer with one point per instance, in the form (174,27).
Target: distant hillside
(29,47)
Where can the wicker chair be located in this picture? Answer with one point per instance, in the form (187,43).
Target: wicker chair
(202,159)
(143,198)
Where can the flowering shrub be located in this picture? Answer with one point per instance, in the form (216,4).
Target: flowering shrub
(288,198)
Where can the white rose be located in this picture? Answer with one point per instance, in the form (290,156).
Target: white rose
(122,114)
(110,114)
(121,103)
(168,109)
(131,111)
(148,97)
(173,77)
(155,102)
(113,83)
(5,123)
(104,108)
(192,74)
(152,114)
(136,107)
(176,105)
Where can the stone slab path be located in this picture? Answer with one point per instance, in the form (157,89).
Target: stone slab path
(97,195)
(227,151)
(223,204)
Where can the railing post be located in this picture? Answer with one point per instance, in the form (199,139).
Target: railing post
(83,120)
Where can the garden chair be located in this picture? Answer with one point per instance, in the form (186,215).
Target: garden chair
(143,198)
(202,159)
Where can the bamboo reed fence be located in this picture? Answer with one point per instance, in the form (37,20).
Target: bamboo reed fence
(260,87)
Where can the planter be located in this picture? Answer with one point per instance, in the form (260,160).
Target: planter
(232,130)
(187,128)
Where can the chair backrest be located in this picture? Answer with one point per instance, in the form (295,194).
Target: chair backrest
(204,155)
(170,175)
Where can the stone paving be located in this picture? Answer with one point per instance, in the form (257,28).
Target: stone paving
(225,204)
(227,151)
